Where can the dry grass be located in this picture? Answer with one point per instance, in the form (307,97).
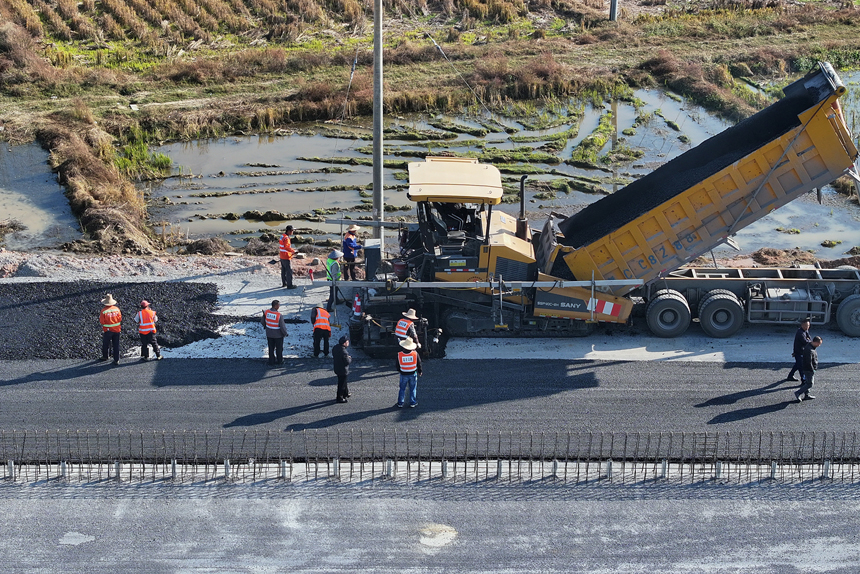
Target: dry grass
(25,16)
(58,25)
(707,84)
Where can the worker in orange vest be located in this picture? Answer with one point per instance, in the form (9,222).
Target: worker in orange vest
(111,322)
(321,320)
(286,252)
(276,330)
(409,366)
(405,328)
(146,320)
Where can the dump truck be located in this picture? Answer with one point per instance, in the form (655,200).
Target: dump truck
(470,269)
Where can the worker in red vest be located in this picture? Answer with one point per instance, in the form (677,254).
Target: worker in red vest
(146,320)
(321,320)
(286,252)
(276,330)
(409,366)
(111,322)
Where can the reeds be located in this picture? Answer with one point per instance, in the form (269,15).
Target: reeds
(26,16)
(225,13)
(68,9)
(127,16)
(58,25)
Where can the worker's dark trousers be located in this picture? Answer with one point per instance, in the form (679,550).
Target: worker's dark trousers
(798,366)
(146,340)
(110,339)
(321,335)
(276,349)
(349,274)
(286,272)
(342,387)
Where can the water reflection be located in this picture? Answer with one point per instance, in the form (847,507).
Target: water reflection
(29,193)
(299,176)
(303,172)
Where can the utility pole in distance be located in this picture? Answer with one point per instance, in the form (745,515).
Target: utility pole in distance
(378,199)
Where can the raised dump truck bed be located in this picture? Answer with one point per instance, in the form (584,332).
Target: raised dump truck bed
(696,201)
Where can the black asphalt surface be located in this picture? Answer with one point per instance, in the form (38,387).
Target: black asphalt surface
(454,395)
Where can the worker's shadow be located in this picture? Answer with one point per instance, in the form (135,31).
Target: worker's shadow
(750,412)
(349,418)
(732,398)
(66,374)
(742,414)
(271,416)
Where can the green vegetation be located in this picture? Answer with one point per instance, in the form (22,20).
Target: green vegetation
(586,153)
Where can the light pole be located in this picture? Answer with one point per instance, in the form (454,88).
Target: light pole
(378,201)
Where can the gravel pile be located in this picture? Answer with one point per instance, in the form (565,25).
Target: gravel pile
(60,320)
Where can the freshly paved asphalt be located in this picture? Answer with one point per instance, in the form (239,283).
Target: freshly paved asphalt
(596,528)
(540,396)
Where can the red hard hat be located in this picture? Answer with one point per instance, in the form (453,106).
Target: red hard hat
(144,304)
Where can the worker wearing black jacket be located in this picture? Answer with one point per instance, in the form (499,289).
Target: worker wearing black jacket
(801,339)
(342,359)
(810,365)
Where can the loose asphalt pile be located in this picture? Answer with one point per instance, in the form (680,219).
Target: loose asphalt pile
(53,320)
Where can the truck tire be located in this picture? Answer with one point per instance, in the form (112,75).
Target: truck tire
(848,316)
(710,294)
(668,314)
(721,315)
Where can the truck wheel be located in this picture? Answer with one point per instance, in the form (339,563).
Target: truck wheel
(710,294)
(848,316)
(721,315)
(668,314)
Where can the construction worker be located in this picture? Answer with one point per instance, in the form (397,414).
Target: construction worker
(351,247)
(276,330)
(342,359)
(146,320)
(286,252)
(332,273)
(409,366)
(321,320)
(111,322)
(405,327)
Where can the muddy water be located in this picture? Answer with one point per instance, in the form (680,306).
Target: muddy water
(226,176)
(235,175)
(29,193)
